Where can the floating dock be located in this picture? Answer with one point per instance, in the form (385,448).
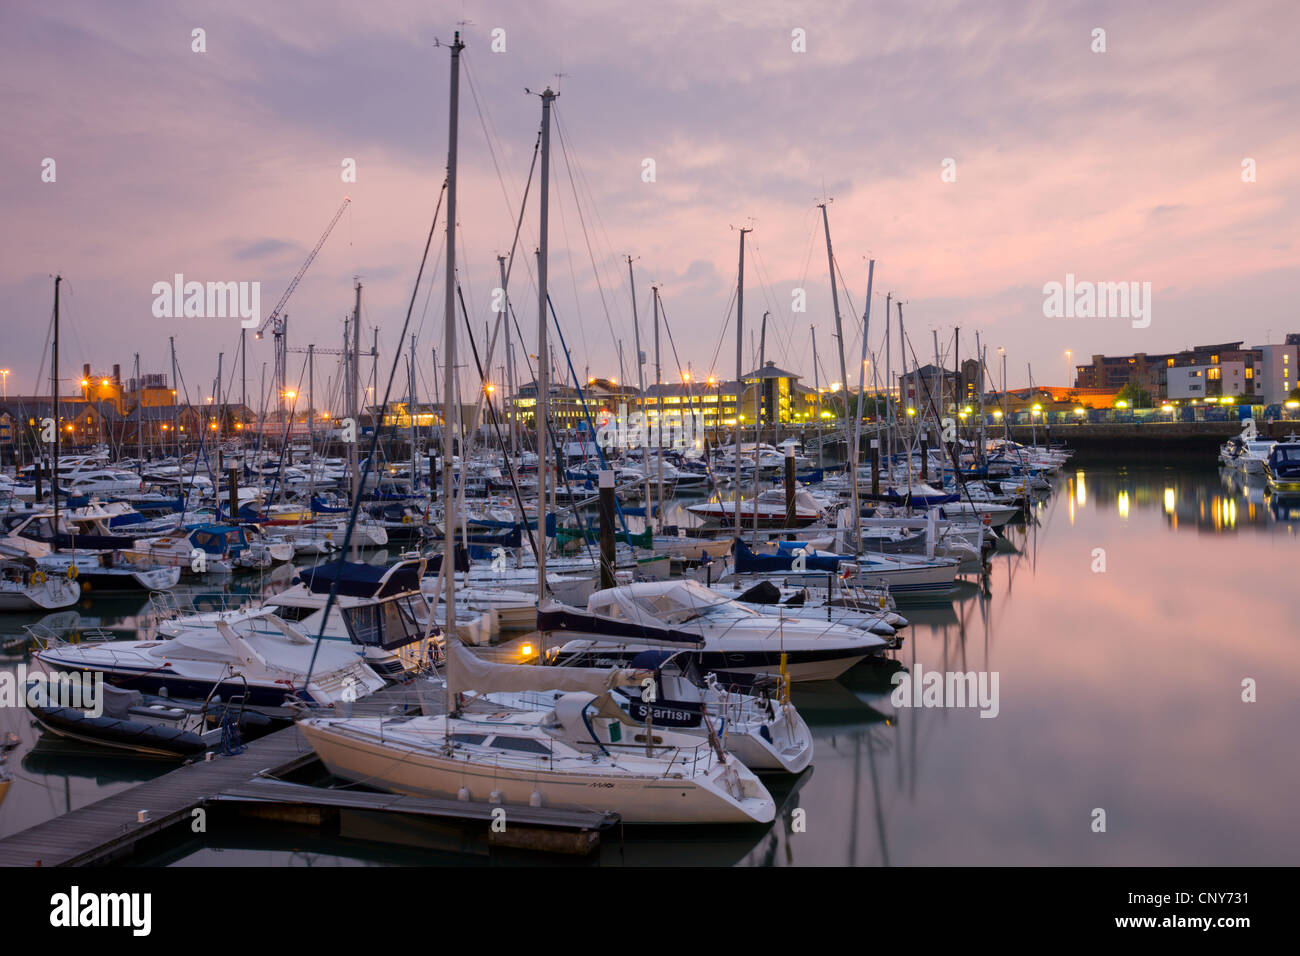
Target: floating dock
(110,829)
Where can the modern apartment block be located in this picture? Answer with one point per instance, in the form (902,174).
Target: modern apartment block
(1261,374)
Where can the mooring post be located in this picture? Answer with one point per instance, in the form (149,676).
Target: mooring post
(607,528)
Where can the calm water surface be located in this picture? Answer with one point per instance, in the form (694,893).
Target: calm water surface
(1119,689)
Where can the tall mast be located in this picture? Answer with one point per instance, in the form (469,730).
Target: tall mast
(354,405)
(54,385)
(902,351)
(891,408)
(740,372)
(216,397)
(374,363)
(449,347)
(817,388)
(311,423)
(415,461)
(176,405)
(857,424)
(640,387)
(510,364)
(835,302)
(543,359)
(139,418)
(659,413)
(983,442)
(758,413)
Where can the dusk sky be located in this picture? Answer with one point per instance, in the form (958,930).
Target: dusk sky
(225,165)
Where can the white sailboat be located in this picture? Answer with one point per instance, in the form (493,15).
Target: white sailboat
(582,751)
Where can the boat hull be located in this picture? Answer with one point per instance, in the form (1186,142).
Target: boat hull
(636,799)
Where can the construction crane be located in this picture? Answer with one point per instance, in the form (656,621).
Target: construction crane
(274,315)
(278,322)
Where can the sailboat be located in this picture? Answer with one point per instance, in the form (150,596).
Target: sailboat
(583,751)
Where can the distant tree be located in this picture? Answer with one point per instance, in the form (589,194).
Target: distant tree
(868,406)
(1295,394)
(1135,397)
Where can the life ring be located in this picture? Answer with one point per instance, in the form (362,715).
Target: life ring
(987,519)
(71,573)
(406,519)
(38,577)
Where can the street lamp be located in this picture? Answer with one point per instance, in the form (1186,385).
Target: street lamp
(5,373)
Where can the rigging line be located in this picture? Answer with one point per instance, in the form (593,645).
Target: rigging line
(45,354)
(952,447)
(586,411)
(374,443)
(589,196)
(614,260)
(276,484)
(428,294)
(467,277)
(490,136)
(690,391)
(510,470)
(787,348)
(722,335)
(510,204)
(573,278)
(600,286)
(519,224)
(812,239)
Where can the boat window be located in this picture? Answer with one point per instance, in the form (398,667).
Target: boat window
(469,738)
(364,624)
(524,745)
(291,613)
(387,625)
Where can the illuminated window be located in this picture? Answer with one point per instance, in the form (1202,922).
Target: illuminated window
(1171,363)
(1214,374)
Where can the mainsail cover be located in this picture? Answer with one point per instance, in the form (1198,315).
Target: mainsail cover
(466,672)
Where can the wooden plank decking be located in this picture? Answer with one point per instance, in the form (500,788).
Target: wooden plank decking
(99,832)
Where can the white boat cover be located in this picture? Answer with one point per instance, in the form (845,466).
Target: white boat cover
(466,672)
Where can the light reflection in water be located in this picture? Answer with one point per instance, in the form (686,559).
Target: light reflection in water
(916,786)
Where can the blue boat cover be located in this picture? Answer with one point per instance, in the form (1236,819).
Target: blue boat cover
(747,562)
(362,580)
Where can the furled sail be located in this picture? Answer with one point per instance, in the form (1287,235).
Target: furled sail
(466,672)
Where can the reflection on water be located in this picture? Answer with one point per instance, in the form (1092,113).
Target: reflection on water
(1120,689)
(1233,502)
